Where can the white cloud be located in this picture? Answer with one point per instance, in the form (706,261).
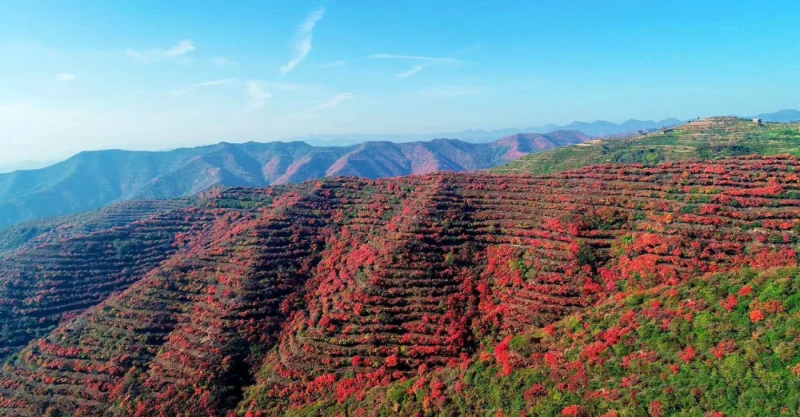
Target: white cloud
(451,92)
(256,96)
(225,63)
(427,61)
(181,48)
(215,82)
(412,71)
(418,58)
(181,92)
(66,77)
(195,86)
(301,42)
(281,86)
(334,101)
(338,63)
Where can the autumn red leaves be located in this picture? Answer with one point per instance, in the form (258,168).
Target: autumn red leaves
(323,291)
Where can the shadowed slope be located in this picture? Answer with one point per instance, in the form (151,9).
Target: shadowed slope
(38,232)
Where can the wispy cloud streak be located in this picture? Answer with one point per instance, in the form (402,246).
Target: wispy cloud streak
(338,63)
(301,42)
(256,96)
(425,62)
(204,84)
(224,63)
(181,48)
(334,101)
(412,71)
(326,103)
(418,58)
(215,82)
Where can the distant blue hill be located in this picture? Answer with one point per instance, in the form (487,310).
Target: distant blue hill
(602,128)
(91,180)
(599,128)
(781,116)
(24,165)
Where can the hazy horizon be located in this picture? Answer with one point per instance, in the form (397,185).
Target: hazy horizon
(321,139)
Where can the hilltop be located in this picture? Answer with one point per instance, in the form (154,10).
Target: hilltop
(379,295)
(709,138)
(91,180)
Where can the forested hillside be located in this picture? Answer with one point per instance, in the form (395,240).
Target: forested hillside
(426,294)
(723,345)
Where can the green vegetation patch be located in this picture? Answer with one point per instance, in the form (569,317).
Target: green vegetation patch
(711,138)
(728,344)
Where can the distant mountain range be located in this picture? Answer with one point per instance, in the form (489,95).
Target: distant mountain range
(18,166)
(599,128)
(781,116)
(95,179)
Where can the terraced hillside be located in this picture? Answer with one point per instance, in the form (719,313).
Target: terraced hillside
(44,285)
(725,345)
(710,138)
(38,232)
(302,299)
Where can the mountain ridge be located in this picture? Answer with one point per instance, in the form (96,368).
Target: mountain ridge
(607,128)
(596,128)
(780,116)
(94,179)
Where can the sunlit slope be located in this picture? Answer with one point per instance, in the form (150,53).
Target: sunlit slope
(710,138)
(724,345)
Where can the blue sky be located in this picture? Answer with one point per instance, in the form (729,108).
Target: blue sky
(80,75)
